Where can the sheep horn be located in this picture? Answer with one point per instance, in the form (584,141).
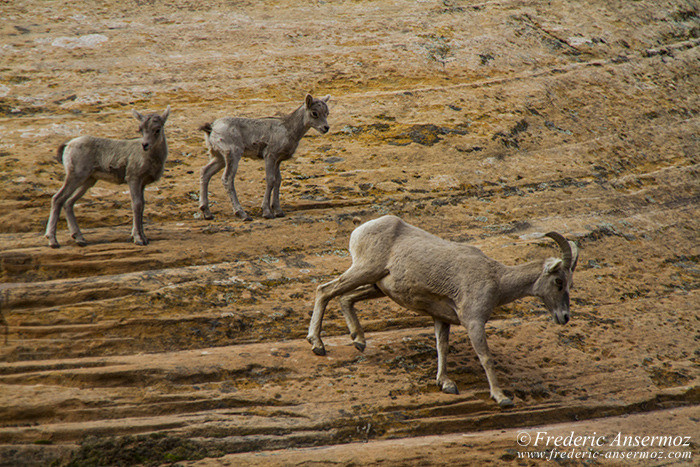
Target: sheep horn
(567,254)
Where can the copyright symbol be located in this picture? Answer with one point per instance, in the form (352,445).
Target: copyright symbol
(524,439)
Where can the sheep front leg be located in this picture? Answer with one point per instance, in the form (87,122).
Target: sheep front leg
(442,339)
(137,205)
(271,171)
(276,206)
(477,336)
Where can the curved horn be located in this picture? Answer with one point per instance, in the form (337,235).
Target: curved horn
(567,254)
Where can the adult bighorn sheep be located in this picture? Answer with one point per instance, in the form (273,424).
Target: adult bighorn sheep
(452,282)
(273,139)
(87,159)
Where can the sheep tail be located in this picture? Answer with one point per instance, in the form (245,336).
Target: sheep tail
(59,153)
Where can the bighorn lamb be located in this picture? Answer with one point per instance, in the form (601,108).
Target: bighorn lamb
(273,139)
(88,159)
(452,282)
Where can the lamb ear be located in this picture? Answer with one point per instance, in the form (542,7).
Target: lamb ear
(552,265)
(165,114)
(137,115)
(326,98)
(309,100)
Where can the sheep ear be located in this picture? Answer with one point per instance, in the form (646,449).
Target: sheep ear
(574,261)
(165,114)
(137,115)
(309,100)
(552,265)
(326,98)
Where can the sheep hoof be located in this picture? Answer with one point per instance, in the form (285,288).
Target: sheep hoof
(79,240)
(360,346)
(316,345)
(206,213)
(450,388)
(505,403)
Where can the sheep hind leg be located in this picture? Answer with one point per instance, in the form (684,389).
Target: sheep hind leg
(70,215)
(233,157)
(208,171)
(71,184)
(347,302)
(271,171)
(350,280)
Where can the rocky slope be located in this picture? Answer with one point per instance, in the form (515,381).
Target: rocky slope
(483,122)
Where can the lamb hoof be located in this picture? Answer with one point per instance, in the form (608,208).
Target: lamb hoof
(360,346)
(505,403)
(206,213)
(244,216)
(450,388)
(79,240)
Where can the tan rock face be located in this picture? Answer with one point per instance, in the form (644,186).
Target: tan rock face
(488,123)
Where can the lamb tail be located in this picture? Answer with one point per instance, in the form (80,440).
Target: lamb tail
(206,128)
(59,153)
